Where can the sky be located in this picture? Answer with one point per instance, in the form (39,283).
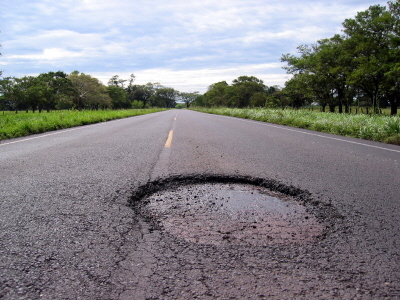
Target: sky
(184,44)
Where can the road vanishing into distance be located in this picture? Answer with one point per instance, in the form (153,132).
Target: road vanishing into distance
(70,228)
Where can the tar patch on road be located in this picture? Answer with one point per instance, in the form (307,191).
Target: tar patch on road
(233,210)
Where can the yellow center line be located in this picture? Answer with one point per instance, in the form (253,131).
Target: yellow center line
(169,139)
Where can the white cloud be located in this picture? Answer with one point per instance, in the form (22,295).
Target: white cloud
(199,79)
(56,38)
(50,54)
(178,42)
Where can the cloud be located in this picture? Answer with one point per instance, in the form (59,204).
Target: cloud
(199,79)
(58,38)
(186,41)
(50,54)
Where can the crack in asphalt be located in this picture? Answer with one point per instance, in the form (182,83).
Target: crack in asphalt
(126,254)
(172,268)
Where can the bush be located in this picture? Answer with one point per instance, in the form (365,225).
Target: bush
(136,104)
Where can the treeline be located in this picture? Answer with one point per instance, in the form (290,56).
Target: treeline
(360,67)
(245,91)
(58,90)
(363,64)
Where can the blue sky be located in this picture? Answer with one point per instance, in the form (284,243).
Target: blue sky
(183,44)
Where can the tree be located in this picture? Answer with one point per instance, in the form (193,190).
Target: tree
(34,92)
(365,61)
(392,78)
(116,81)
(89,92)
(274,97)
(56,86)
(282,99)
(130,86)
(13,93)
(216,94)
(258,99)
(246,79)
(119,97)
(243,89)
(298,90)
(370,38)
(324,68)
(165,97)
(201,100)
(188,98)
(142,93)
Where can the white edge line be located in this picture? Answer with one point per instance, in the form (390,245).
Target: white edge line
(309,133)
(66,130)
(42,135)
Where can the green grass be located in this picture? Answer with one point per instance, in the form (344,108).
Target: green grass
(379,128)
(14,125)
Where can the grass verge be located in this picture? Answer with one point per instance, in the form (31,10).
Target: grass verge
(14,125)
(385,129)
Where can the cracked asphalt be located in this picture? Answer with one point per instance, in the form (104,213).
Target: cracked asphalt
(76,219)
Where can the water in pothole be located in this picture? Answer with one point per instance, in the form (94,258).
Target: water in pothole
(226,214)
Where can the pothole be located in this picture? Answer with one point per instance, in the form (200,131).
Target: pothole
(220,210)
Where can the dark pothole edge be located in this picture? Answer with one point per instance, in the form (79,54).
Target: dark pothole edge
(325,213)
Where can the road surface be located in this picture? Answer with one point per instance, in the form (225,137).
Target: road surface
(67,231)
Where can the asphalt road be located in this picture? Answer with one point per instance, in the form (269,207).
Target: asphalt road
(66,231)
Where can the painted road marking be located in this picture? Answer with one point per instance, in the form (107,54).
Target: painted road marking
(42,135)
(169,139)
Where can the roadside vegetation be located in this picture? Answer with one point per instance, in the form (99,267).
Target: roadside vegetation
(379,128)
(22,124)
(56,100)
(60,91)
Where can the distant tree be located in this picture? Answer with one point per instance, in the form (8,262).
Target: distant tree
(296,89)
(201,100)
(216,94)
(258,99)
(245,88)
(282,99)
(131,80)
(14,95)
(142,93)
(119,97)
(274,97)
(137,104)
(116,81)
(324,68)
(188,98)
(180,106)
(165,97)
(34,91)
(244,91)
(56,87)
(89,92)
